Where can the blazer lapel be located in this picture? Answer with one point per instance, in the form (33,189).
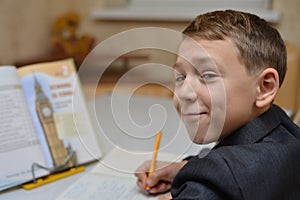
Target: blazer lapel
(255,130)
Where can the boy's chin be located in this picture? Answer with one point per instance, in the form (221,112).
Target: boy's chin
(203,138)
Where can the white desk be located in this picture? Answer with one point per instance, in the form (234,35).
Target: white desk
(132,122)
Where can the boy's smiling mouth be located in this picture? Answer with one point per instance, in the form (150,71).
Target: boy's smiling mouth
(194,114)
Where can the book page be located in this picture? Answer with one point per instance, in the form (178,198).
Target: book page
(101,186)
(63,126)
(19,144)
(113,177)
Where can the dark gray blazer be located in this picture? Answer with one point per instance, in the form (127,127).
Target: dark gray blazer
(261,160)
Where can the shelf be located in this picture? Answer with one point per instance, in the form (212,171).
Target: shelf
(125,14)
(182,10)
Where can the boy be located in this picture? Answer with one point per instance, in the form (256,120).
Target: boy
(224,90)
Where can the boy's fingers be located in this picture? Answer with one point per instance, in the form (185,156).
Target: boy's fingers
(166,197)
(154,178)
(160,174)
(140,184)
(160,187)
(141,176)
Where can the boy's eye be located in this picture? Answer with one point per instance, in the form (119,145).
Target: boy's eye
(180,78)
(209,75)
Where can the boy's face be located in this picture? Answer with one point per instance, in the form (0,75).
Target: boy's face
(214,94)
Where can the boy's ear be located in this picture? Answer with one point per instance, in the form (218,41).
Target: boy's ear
(267,87)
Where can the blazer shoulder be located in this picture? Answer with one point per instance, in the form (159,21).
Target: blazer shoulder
(275,166)
(204,178)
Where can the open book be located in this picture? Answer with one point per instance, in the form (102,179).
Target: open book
(44,120)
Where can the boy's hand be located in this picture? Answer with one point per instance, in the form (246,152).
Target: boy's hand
(166,197)
(161,179)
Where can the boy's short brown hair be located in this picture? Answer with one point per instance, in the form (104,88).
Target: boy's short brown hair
(259,44)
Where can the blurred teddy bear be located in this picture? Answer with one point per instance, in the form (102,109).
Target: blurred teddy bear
(66,42)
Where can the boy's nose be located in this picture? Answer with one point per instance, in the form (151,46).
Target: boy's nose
(187,92)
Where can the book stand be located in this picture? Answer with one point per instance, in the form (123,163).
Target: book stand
(56,172)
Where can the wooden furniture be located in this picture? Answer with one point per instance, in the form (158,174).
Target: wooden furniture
(289,93)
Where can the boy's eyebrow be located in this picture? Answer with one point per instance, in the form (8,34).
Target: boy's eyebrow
(195,62)
(175,65)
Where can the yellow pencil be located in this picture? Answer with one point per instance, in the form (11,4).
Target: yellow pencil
(154,156)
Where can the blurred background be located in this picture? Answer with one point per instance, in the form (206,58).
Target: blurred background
(26,26)
(36,31)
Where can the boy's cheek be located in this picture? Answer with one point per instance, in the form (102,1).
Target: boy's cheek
(176,104)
